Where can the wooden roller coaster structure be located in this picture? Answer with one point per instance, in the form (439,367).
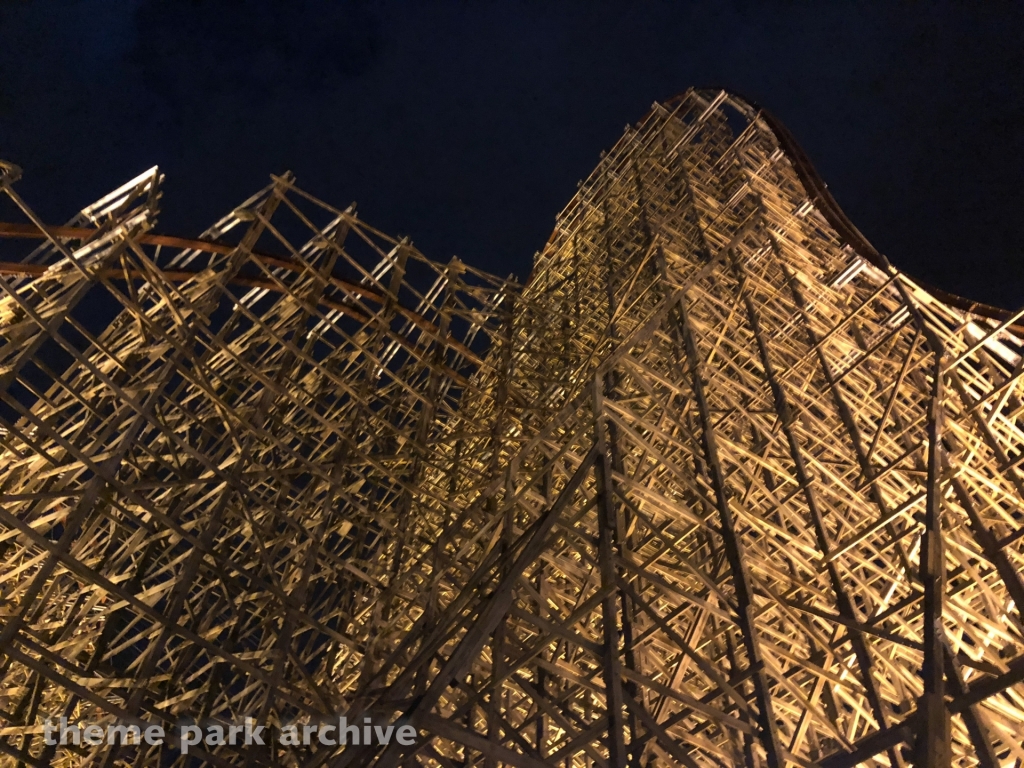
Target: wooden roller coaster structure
(718,486)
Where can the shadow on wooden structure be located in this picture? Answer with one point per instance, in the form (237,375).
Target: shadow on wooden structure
(716,487)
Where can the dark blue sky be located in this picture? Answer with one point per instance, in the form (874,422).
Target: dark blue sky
(467,125)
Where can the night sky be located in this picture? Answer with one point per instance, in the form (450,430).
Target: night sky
(467,125)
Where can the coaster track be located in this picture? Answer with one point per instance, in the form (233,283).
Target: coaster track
(717,486)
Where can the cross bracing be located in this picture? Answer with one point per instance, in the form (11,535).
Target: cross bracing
(716,486)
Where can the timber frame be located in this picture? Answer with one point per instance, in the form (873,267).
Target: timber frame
(718,486)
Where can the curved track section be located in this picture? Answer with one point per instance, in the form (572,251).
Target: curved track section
(717,487)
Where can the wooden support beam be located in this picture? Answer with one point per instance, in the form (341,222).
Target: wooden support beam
(694,494)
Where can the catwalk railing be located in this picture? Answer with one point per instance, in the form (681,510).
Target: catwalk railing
(712,488)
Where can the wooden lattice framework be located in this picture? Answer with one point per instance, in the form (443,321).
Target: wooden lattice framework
(716,486)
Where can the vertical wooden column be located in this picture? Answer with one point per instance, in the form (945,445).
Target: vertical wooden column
(932,749)
(733,547)
(786,418)
(611,618)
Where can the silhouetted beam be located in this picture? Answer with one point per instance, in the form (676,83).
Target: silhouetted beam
(84,233)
